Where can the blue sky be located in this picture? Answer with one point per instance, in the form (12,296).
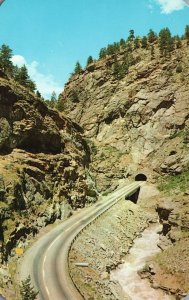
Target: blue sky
(51,35)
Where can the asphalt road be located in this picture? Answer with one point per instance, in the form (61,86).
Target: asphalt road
(46,261)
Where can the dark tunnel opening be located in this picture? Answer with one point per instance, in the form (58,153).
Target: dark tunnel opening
(140,177)
(134,197)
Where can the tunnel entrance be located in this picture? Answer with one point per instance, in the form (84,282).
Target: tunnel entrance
(140,177)
(134,197)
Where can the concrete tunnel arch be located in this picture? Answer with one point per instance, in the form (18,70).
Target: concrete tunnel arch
(141,177)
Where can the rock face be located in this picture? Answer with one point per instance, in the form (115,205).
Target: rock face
(140,122)
(43,166)
(169,270)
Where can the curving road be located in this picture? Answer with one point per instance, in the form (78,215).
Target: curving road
(46,261)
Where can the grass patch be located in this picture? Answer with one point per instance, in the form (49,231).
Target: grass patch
(174,182)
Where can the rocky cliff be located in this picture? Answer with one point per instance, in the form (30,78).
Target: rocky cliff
(43,166)
(137,123)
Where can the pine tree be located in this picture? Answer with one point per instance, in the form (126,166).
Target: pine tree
(89,60)
(144,42)
(166,43)
(22,77)
(74,97)
(31,85)
(102,53)
(78,68)
(111,49)
(120,70)
(116,47)
(152,36)
(178,42)
(5,60)
(27,291)
(59,104)
(38,94)
(131,35)
(137,42)
(116,69)
(129,46)
(124,69)
(53,98)
(187,34)
(170,45)
(122,43)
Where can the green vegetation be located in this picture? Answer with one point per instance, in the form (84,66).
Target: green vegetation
(137,43)
(89,60)
(178,42)
(5,60)
(120,70)
(74,97)
(55,102)
(20,75)
(179,68)
(144,42)
(27,291)
(164,41)
(174,182)
(131,35)
(187,34)
(102,53)
(78,68)
(152,36)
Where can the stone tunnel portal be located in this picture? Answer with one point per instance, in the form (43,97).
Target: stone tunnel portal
(140,177)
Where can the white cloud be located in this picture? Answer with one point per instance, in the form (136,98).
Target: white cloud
(46,84)
(168,6)
(18,60)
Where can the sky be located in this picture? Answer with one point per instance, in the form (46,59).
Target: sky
(50,36)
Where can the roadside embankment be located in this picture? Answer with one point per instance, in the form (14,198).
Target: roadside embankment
(102,247)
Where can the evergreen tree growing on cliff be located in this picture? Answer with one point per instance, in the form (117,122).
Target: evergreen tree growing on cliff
(112,49)
(178,42)
(129,46)
(22,77)
(27,291)
(59,104)
(102,53)
(53,100)
(131,35)
(120,70)
(144,42)
(166,43)
(89,60)
(122,43)
(5,60)
(187,34)
(152,36)
(78,68)
(137,42)
(38,94)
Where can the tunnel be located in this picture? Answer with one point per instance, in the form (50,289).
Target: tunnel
(140,177)
(133,197)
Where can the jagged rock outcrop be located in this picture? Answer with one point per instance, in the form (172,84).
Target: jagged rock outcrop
(43,166)
(138,122)
(169,270)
